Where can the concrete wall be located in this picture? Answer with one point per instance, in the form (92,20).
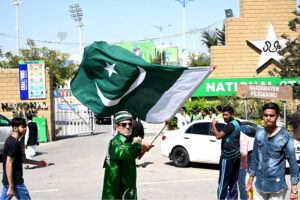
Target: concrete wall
(238,58)
(10,95)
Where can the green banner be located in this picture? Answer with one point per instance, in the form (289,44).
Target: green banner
(144,50)
(171,55)
(213,87)
(41,122)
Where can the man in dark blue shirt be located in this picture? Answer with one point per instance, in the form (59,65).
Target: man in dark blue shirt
(230,154)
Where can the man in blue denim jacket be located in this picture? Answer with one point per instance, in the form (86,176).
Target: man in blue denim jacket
(272,147)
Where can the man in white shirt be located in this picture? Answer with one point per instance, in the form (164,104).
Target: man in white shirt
(31,140)
(182,118)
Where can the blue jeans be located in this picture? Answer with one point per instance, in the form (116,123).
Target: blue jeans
(21,192)
(242,184)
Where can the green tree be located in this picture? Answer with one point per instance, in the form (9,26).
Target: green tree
(221,35)
(198,60)
(289,66)
(209,39)
(54,60)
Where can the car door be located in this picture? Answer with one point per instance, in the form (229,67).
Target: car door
(197,139)
(215,145)
(5,131)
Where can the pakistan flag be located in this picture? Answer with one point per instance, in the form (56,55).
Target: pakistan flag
(111,79)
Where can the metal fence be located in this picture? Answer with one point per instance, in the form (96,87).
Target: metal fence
(71,117)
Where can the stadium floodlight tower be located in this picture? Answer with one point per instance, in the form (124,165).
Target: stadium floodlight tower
(183,3)
(62,36)
(76,14)
(161,28)
(17,3)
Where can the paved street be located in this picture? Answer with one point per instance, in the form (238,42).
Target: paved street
(76,172)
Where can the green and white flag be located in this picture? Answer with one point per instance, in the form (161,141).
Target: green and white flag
(111,79)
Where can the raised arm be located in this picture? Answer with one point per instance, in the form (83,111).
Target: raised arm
(217,134)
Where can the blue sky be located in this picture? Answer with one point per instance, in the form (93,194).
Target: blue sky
(112,21)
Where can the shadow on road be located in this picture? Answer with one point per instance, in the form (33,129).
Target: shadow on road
(40,153)
(36,167)
(198,165)
(145,164)
(63,137)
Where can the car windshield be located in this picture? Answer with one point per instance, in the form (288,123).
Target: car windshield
(249,128)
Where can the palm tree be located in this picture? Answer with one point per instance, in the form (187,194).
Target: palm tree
(158,59)
(221,35)
(209,38)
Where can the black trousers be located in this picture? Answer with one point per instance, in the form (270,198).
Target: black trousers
(228,177)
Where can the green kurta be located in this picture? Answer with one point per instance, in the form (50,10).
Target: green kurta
(120,169)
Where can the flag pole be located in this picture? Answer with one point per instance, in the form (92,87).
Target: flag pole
(154,138)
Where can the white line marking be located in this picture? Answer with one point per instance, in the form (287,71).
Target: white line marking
(50,190)
(178,181)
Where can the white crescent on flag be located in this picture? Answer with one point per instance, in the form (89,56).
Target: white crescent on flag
(108,102)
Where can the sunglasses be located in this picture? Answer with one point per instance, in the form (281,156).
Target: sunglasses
(125,124)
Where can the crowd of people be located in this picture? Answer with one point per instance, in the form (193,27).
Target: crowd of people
(273,147)
(207,113)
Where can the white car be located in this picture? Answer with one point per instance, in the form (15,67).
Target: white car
(195,142)
(5,131)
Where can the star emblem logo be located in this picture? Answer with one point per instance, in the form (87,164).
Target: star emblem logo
(110,68)
(269,47)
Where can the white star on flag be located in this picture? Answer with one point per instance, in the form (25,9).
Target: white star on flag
(269,47)
(110,69)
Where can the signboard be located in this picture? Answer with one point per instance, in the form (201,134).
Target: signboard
(144,50)
(213,87)
(274,92)
(32,79)
(65,106)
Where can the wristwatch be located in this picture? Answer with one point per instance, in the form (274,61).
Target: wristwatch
(294,191)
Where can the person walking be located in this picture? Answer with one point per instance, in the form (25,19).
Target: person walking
(244,142)
(230,154)
(296,124)
(13,182)
(31,140)
(137,133)
(120,167)
(273,146)
(182,118)
(196,115)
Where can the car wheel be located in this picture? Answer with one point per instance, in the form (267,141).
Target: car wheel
(249,160)
(180,157)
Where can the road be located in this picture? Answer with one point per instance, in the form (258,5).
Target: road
(75,172)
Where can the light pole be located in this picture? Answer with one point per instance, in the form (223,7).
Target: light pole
(194,34)
(76,14)
(161,28)
(62,36)
(17,3)
(183,3)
